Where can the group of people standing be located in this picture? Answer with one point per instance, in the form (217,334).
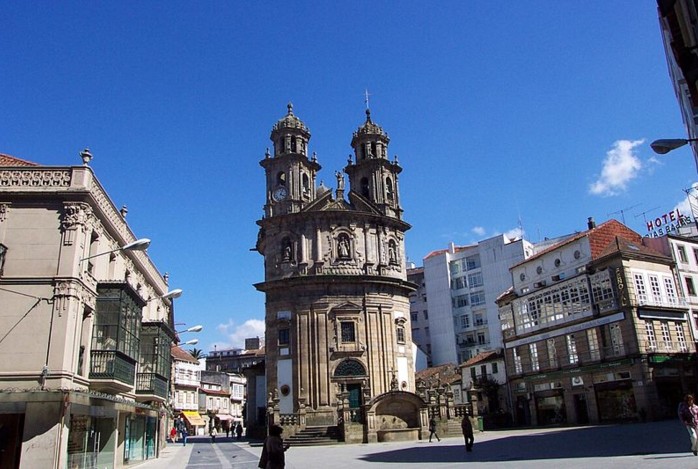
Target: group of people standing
(180,431)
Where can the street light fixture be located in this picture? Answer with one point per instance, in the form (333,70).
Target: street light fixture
(197,328)
(137,245)
(171,295)
(665,145)
(188,342)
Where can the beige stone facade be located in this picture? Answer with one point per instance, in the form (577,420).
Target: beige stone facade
(86,337)
(337,307)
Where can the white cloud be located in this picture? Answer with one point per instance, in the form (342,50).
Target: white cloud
(478,230)
(237,333)
(620,167)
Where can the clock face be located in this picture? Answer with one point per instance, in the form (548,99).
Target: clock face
(280,193)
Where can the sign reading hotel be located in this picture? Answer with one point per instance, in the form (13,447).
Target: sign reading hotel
(667,223)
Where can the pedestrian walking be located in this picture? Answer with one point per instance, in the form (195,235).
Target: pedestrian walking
(238,431)
(467,427)
(173,434)
(213,434)
(273,450)
(432,429)
(688,414)
(185,433)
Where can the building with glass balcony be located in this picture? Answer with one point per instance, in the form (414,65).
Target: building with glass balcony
(86,331)
(595,330)
(461,284)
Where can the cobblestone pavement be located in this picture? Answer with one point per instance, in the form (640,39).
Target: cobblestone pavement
(642,445)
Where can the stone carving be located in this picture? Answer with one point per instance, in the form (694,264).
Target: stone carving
(4,208)
(35,178)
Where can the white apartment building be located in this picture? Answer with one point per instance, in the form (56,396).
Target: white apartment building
(186,383)
(461,286)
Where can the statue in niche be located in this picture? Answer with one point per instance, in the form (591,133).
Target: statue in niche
(343,247)
(286,251)
(392,258)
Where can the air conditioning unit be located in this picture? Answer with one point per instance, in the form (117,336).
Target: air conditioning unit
(577,381)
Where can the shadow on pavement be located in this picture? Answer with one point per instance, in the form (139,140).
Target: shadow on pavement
(654,438)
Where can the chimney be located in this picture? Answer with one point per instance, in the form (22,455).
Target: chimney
(591,224)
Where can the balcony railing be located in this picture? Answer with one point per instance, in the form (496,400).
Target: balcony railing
(668,347)
(112,365)
(649,300)
(152,384)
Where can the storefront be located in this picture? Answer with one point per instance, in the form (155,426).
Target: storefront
(550,407)
(194,422)
(616,401)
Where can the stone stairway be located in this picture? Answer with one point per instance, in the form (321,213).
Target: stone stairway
(315,436)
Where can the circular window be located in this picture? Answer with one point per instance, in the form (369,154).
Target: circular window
(539,270)
(557,262)
(285,390)
(522,276)
(577,254)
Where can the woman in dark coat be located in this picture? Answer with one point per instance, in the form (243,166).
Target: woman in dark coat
(467,427)
(273,450)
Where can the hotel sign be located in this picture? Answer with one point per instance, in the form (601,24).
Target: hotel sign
(668,222)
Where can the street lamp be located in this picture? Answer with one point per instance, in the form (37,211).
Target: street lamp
(188,342)
(172,294)
(197,328)
(665,145)
(137,245)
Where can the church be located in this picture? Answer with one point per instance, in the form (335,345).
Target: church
(338,339)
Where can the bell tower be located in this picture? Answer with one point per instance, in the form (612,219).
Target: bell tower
(290,175)
(373,176)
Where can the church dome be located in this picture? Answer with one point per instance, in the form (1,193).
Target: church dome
(290,121)
(370,128)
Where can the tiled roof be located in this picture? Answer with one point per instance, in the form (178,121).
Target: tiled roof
(178,353)
(632,248)
(599,239)
(483,357)
(7,160)
(447,373)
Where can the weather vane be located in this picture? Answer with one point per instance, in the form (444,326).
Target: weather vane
(366,95)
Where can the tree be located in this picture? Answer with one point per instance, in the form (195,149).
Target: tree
(196,353)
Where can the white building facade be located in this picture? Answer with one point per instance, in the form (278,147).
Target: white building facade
(462,284)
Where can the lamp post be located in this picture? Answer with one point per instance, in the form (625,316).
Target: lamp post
(665,145)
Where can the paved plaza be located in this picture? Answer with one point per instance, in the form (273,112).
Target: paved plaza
(643,445)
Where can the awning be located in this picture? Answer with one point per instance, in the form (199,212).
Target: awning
(193,418)
(224,417)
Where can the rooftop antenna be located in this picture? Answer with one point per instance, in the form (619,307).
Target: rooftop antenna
(644,214)
(622,212)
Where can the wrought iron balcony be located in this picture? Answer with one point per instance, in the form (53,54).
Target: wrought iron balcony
(151,384)
(110,365)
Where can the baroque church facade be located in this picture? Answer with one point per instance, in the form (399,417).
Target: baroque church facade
(335,280)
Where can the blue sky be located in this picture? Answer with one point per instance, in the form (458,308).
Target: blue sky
(519,113)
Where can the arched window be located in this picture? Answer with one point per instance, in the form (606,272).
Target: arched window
(280,146)
(389,189)
(350,367)
(293,144)
(305,181)
(364,187)
(281,178)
